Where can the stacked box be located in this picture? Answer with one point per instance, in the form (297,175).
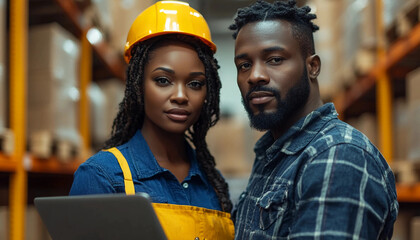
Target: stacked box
(114,18)
(413,102)
(105,97)
(326,43)
(231,142)
(360,32)
(123,15)
(366,123)
(390,11)
(414,131)
(4,222)
(3,97)
(400,130)
(53,93)
(402,225)
(415,228)
(98,131)
(34,227)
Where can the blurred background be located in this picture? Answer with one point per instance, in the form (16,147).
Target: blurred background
(62,77)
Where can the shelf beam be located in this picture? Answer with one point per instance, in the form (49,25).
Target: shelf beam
(113,63)
(18,76)
(51,165)
(7,164)
(408,192)
(396,53)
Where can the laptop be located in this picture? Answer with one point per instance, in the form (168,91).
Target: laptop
(104,217)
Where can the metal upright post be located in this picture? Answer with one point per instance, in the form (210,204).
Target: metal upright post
(383,92)
(18,75)
(85,79)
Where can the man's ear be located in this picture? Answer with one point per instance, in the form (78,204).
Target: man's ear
(313,64)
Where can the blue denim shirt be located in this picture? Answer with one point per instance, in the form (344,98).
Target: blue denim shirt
(322,179)
(102,174)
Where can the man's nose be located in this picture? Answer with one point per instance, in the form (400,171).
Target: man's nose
(258,75)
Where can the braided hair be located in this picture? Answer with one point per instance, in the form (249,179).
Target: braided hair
(300,19)
(131,110)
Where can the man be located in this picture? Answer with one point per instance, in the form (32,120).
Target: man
(314,176)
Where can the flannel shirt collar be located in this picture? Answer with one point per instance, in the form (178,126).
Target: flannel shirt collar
(298,136)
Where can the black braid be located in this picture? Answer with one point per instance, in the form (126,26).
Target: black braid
(300,18)
(131,110)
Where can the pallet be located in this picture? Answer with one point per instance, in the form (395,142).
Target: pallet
(407,17)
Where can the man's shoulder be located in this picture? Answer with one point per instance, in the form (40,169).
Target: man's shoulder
(338,133)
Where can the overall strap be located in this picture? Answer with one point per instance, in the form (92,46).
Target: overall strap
(128,179)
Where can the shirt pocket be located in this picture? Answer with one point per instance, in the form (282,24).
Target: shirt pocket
(272,206)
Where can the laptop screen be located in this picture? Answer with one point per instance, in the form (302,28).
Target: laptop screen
(105,216)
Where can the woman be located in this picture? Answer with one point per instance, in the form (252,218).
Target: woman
(171,96)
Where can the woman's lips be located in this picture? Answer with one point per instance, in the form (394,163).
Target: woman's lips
(178,115)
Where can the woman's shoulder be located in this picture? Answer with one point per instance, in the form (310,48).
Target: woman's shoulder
(104,159)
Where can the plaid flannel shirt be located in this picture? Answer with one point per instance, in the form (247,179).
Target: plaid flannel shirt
(322,179)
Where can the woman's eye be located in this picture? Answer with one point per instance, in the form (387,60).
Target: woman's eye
(196,84)
(162,81)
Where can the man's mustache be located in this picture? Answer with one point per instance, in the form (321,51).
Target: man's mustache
(260,88)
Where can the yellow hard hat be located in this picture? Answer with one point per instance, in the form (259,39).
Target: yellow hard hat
(167,17)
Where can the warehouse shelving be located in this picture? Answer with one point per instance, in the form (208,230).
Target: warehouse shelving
(7,164)
(409,192)
(97,61)
(402,57)
(382,83)
(51,165)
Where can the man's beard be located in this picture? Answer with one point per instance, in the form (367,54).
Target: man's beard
(295,99)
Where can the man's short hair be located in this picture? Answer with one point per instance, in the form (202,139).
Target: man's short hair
(300,19)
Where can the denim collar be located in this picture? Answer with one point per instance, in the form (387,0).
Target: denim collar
(298,136)
(145,164)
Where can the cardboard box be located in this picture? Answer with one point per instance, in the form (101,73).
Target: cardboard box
(400,129)
(402,225)
(53,107)
(98,114)
(366,123)
(34,227)
(4,222)
(105,97)
(114,18)
(3,35)
(390,10)
(415,228)
(414,131)
(413,86)
(55,50)
(53,76)
(231,142)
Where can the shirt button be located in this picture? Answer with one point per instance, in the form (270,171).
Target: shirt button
(185,185)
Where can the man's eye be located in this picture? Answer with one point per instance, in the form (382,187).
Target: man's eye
(162,81)
(276,60)
(196,84)
(244,66)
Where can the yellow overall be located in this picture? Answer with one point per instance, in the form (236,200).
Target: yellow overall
(182,221)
